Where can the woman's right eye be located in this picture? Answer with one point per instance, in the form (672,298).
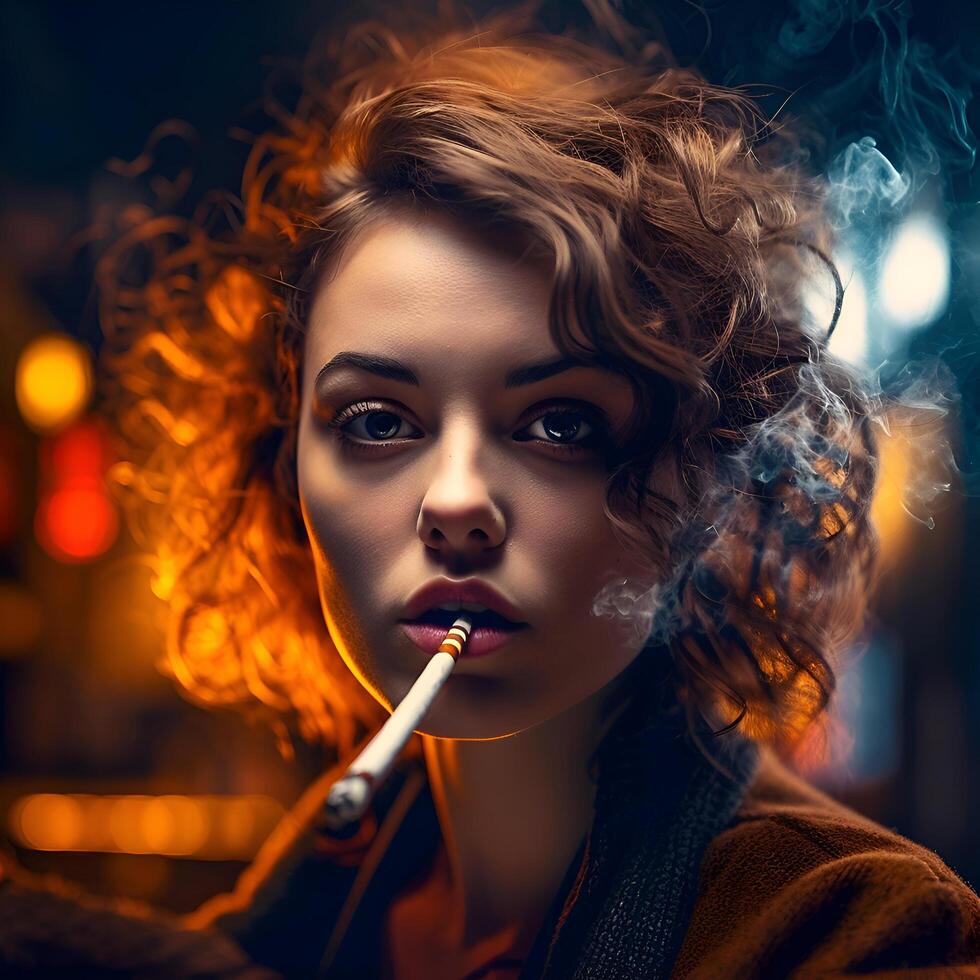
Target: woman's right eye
(369,425)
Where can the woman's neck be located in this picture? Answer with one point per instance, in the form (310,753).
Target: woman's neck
(513,812)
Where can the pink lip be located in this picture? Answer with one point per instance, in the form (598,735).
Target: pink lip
(482,640)
(465,590)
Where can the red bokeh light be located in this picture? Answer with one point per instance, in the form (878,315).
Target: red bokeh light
(78,456)
(76,524)
(76,521)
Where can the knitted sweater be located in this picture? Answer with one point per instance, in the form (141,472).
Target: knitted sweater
(801,886)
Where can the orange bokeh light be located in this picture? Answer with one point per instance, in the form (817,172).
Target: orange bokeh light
(219,828)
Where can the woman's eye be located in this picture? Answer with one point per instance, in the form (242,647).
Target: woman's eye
(370,424)
(563,428)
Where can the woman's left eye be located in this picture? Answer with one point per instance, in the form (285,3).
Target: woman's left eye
(567,429)
(563,427)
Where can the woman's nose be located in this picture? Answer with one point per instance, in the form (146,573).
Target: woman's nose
(458,514)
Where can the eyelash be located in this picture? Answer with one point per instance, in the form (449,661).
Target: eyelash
(594,416)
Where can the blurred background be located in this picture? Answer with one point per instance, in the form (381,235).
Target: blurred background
(107,776)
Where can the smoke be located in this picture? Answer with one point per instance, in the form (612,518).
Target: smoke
(804,447)
(865,73)
(865,187)
(920,405)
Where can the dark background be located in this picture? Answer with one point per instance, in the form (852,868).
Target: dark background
(83,708)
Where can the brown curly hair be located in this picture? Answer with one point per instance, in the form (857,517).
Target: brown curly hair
(680,230)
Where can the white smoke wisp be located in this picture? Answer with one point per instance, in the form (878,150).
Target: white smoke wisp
(915,402)
(865,186)
(625,599)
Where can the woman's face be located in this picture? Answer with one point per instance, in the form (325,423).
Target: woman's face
(459,476)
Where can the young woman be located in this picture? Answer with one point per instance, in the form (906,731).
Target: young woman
(511,321)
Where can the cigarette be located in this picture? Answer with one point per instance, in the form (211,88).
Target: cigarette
(350,795)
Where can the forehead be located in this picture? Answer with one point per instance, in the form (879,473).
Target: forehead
(433,283)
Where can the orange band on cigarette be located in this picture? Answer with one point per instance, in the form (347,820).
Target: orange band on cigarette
(449,645)
(454,642)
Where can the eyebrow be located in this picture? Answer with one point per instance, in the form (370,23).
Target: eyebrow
(388,367)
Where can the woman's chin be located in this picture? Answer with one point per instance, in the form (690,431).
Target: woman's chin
(467,707)
(466,730)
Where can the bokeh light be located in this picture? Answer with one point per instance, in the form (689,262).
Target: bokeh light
(888,512)
(76,524)
(76,520)
(201,827)
(914,286)
(53,381)
(48,822)
(849,340)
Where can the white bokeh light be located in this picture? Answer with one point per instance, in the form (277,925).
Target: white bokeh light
(914,286)
(849,340)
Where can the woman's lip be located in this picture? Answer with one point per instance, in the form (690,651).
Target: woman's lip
(445,590)
(482,640)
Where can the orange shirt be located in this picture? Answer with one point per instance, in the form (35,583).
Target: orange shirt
(413,940)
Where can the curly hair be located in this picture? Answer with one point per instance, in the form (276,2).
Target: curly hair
(679,226)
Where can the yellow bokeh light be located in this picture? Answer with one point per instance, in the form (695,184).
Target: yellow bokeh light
(53,382)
